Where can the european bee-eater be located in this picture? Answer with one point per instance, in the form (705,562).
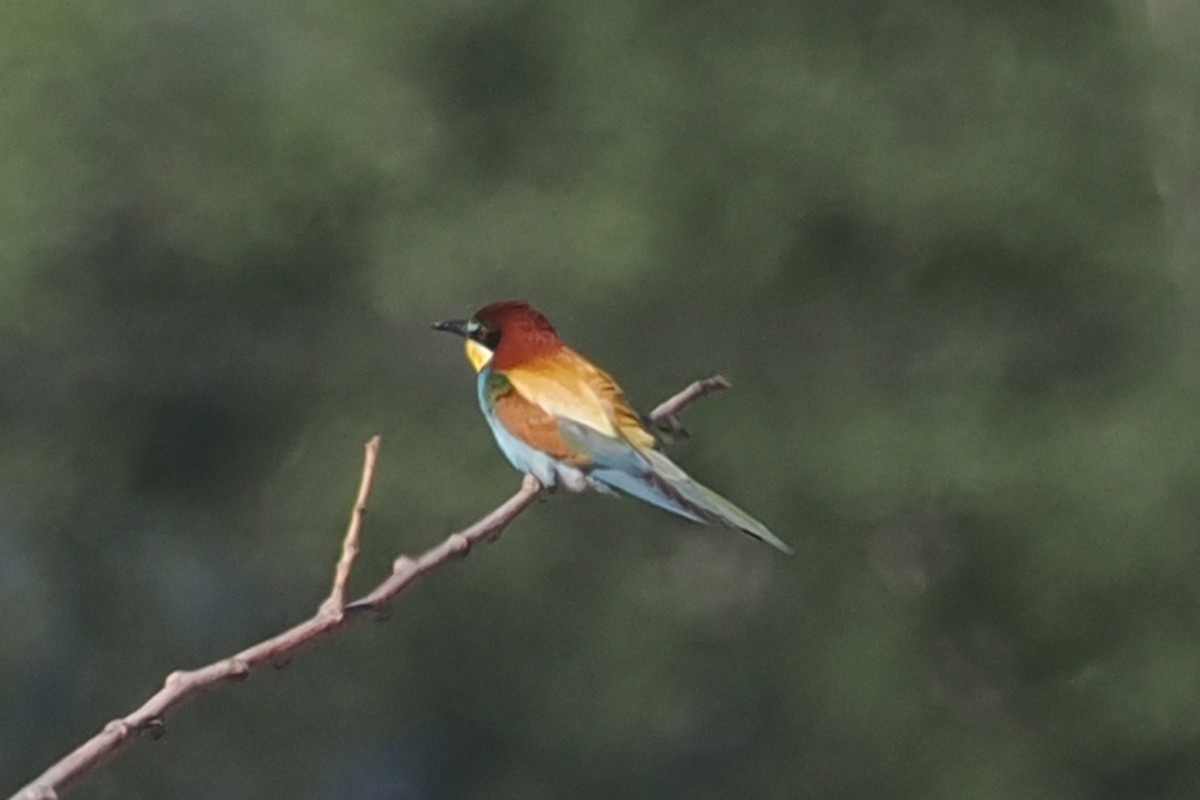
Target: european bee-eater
(561,418)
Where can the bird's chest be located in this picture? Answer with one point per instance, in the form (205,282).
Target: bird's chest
(491,388)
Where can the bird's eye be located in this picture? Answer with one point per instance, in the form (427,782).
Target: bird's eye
(484,335)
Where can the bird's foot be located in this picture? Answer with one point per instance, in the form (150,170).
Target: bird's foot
(532,483)
(573,480)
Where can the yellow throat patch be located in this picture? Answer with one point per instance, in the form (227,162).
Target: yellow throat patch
(478,355)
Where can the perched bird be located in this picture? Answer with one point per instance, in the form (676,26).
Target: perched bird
(561,418)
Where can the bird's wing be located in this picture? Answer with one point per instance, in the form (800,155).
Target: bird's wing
(569,387)
(527,421)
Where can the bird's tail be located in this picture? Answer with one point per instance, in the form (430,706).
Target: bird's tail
(667,486)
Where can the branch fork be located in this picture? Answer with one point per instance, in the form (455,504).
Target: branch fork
(332,615)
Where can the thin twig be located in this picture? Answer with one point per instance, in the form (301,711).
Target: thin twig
(332,616)
(406,570)
(672,406)
(336,602)
(665,416)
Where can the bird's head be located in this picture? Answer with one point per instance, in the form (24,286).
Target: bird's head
(504,334)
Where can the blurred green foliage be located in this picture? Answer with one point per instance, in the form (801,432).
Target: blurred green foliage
(945,249)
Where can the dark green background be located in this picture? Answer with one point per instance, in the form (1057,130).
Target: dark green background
(946,250)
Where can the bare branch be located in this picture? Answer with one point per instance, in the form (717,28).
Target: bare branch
(334,614)
(406,570)
(666,414)
(336,603)
(677,403)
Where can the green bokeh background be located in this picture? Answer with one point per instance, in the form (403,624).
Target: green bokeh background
(946,250)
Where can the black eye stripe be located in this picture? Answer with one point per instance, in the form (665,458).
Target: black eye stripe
(484,335)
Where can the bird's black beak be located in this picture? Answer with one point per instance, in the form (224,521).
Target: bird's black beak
(455,326)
